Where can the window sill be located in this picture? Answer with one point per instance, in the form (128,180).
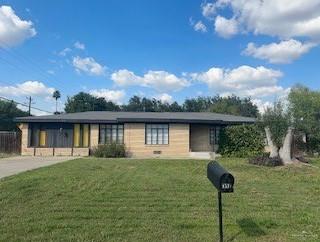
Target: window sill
(112,143)
(156,145)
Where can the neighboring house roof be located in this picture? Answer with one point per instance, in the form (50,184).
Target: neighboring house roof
(141,117)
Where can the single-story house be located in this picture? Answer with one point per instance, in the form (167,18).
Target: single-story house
(144,134)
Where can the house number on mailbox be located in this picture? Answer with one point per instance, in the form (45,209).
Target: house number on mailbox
(226,186)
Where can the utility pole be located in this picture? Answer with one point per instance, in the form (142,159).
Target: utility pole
(29,104)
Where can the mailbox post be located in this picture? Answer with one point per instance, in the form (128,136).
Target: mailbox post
(223,182)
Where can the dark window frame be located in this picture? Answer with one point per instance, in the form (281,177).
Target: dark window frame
(34,135)
(110,128)
(157,135)
(214,135)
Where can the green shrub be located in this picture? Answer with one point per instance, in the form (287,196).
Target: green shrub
(112,150)
(241,141)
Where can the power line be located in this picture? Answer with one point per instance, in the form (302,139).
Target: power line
(27,62)
(25,105)
(20,68)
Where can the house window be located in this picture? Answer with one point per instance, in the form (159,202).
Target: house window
(111,133)
(81,135)
(214,135)
(33,135)
(51,135)
(157,134)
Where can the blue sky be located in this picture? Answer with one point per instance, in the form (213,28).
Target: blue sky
(165,49)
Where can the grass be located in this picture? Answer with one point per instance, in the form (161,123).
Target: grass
(159,200)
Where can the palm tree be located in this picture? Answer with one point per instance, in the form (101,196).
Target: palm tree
(56,95)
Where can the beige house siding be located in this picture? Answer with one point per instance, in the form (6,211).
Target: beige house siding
(94,135)
(44,151)
(181,142)
(62,151)
(134,140)
(25,150)
(200,138)
(80,151)
(39,151)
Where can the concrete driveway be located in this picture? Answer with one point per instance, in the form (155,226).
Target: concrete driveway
(14,165)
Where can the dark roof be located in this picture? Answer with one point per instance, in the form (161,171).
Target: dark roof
(121,117)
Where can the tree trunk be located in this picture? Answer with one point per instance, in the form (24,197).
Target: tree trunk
(273,148)
(285,151)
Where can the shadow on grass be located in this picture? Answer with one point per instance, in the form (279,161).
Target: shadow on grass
(250,228)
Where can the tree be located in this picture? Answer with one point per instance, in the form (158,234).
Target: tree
(304,105)
(279,132)
(199,104)
(134,105)
(228,105)
(9,111)
(101,104)
(234,105)
(83,102)
(175,107)
(138,104)
(56,95)
(301,115)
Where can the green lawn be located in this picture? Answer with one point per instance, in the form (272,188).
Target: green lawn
(159,200)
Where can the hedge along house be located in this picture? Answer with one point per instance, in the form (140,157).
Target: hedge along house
(144,134)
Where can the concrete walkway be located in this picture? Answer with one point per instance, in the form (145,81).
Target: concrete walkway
(14,165)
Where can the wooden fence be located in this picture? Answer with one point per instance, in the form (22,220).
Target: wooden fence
(10,142)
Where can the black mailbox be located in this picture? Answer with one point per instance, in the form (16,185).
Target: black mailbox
(223,181)
(219,177)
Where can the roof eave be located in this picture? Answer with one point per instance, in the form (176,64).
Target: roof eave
(132,120)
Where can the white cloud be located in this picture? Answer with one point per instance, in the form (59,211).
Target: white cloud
(162,80)
(51,72)
(242,81)
(200,27)
(32,88)
(79,45)
(165,98)
(64,52)
(262,105)
(208,9)
(89,66)
(159,80)
(284,52)
(238,78)
(115,96)
(125,77)
(226,28)
(285,18)
(13,30)
(274,91)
